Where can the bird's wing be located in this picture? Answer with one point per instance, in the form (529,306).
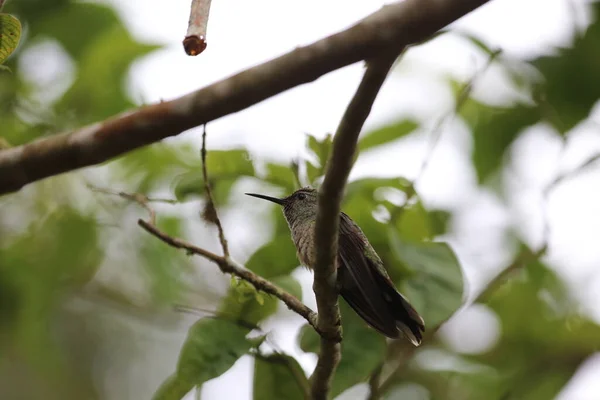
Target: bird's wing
(359,286)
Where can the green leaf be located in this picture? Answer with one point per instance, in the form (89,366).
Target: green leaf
(224,167)
(550,309)
(277,377)
(173,388)
(363,349)
(366,187)
(413,223)
(309,340)
(435,287)
(282,176)
(493,130)
(480,44)
(163,267)
(150,167)
(4,144)
(244,302)
(440,219)
(290,284)
(278,257)
(387,134)
(66,257)
(58,23)
(321,150)
(98,91)
(571,80)
(212,346)
(10,34)
(543,344)
(360,202)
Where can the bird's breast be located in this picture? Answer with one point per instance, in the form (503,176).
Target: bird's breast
(303,236)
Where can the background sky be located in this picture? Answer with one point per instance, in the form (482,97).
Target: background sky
(242,34)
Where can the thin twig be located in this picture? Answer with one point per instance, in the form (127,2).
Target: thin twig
(195,38)
(211,210)
(405,353)
(393,27)
(436,134)
(374,388)
(228,266)
(524,258)
(462,96)
(326,229)
(586,164)
(138,198)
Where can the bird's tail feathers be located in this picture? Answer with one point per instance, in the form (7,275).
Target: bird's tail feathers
(408,320)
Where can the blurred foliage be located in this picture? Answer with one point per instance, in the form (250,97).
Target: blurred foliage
(387,134)
(279,376)
(363,349)
(564,97)
(211,348)
(436,284)
(61,245)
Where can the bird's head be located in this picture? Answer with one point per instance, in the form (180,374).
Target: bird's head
(300,205)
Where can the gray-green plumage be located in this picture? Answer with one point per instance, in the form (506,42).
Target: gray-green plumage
(362,278)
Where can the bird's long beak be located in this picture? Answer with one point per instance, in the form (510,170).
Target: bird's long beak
(268,198)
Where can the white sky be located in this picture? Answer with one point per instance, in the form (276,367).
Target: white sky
(243,33)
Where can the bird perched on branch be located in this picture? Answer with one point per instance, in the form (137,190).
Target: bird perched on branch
(362,279)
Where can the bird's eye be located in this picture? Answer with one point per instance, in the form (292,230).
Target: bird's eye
(301,196)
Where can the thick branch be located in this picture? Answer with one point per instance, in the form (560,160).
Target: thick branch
(394,26)
(227,266)
(326,229)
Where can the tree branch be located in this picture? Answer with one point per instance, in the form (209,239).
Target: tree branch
(139,198)
(393,27)
(210,210)
(228,266)
(195,39)
(326,228)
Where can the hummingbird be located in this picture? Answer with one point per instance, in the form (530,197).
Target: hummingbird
(362,279)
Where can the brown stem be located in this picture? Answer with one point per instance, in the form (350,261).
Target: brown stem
(326,228)
(394,26)
(210,204)
(195,39)
(229,267)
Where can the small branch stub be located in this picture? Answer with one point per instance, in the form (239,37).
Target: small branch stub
(195,39)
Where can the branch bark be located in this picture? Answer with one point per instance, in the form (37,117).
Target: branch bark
(326,229)
(228,266)
(393,27)
(195,39)
(210,212)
